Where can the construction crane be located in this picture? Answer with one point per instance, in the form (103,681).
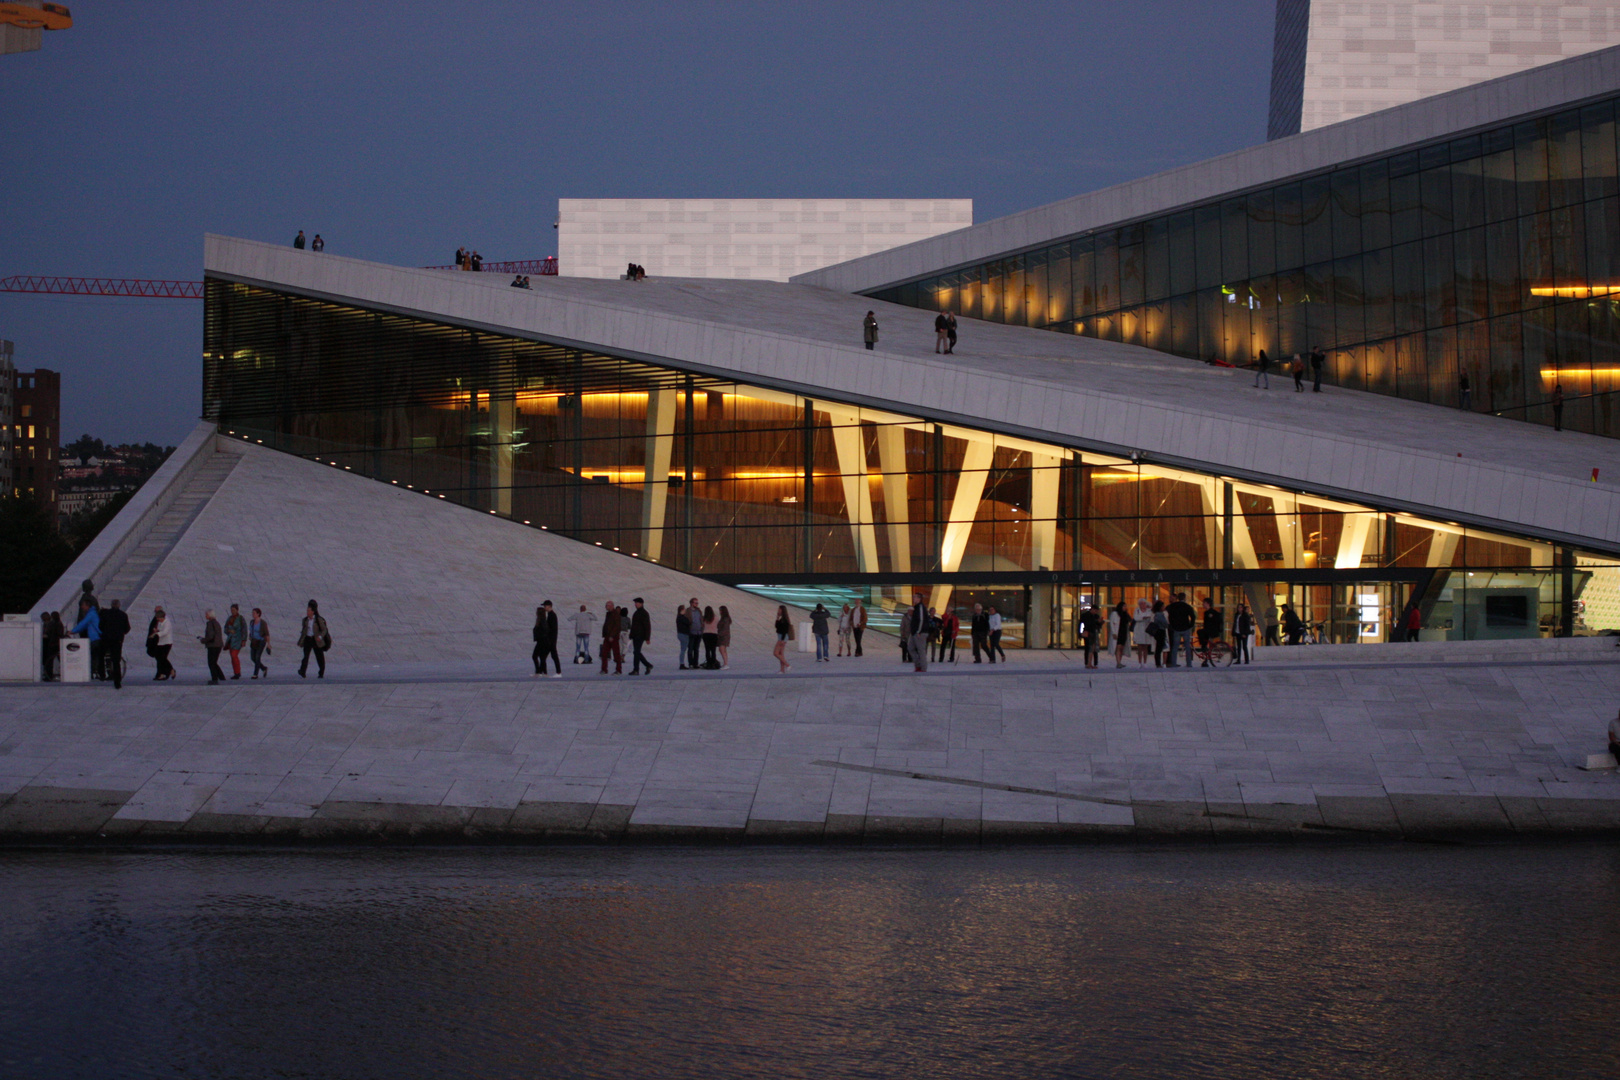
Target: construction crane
(153,289)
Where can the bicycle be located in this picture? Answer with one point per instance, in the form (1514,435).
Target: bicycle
(1213,652)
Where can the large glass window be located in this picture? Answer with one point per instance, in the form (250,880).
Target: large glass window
(1443,240)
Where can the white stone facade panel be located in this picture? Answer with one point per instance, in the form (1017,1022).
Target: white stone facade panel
(763,239)
(1362,57)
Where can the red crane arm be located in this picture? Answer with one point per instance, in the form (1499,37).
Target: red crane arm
(193,290)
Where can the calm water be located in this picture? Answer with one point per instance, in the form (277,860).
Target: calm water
(1398,961)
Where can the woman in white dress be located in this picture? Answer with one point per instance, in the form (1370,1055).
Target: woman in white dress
(1142,633)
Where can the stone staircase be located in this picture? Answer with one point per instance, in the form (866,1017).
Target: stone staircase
(127,581)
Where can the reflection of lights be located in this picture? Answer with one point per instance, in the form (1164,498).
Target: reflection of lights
(1579,373)
(1575,292)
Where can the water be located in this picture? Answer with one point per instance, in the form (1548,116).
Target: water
(1397,961)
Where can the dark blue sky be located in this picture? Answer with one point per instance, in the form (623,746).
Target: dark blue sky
(401,130)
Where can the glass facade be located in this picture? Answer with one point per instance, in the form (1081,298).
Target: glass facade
(780,492)
(1495,256)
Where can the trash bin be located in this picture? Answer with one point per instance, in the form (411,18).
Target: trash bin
(75,660)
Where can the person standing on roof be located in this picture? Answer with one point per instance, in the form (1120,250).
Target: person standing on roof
(950,332)
(298,241)
(1262,370)
(870,328)
(939,333)
(317,244)
(1318,358)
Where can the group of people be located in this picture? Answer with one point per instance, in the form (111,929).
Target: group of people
(626,630)
(106,628)
(521,281)
(924,632)
(851,627)
(468,260)
(634,272)
(1316,358)
(315,245)
(1165,631)
(944,331)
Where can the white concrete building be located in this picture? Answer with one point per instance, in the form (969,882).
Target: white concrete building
(1339,59)
(764,239)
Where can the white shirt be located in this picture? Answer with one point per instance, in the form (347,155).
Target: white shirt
(995,622)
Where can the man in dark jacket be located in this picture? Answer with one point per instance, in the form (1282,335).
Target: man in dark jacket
(545,641)
(1181,617)
(640,634)
(314,637)
(979,632)
(611,625)
(1091,622)
(1318,358)
(114,625)
(948,626)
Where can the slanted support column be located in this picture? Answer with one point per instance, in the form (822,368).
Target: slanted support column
(891,441)
(849,443)
(1045,471)
(1442,549)
(1353,535)
(964,508)
(655,479)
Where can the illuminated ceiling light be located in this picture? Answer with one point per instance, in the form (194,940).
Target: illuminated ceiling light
(1579,373)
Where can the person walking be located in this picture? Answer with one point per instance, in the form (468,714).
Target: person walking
(1160,628)
(918,643)
(213,640)
(979,633)
(317,244)
(545,641)
(711,640)
(857,624)
(1297,367)
(1318,358)
(1242,629)
(1558,406)
(869,328)
(114,628)
(846,645)
(584,627)
(258,643)
(235,638)
(694,612)
(950,332)
(1262,370)
(1271,625)
(949,626)
(722,629)
(1091,624)
(640,634)
(784,634)
(683,632)
(1142,630)
(1465,393)
(159,642)
(314,638)
(1119,632)
(939,332)
(610,639)
(820,626)
(1180,615)
(1414,623)
(298,241)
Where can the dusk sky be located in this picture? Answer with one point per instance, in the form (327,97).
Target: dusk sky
(400,131)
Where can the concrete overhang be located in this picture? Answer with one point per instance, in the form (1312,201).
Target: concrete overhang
(1395,455)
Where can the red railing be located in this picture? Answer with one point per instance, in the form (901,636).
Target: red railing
(546,267)
(80,286)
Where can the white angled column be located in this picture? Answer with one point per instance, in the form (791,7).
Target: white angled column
(655,480)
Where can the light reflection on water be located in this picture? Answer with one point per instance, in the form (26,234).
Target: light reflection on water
(1394,961)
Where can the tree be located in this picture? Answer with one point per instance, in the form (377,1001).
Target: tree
(85,447)
(32,551)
